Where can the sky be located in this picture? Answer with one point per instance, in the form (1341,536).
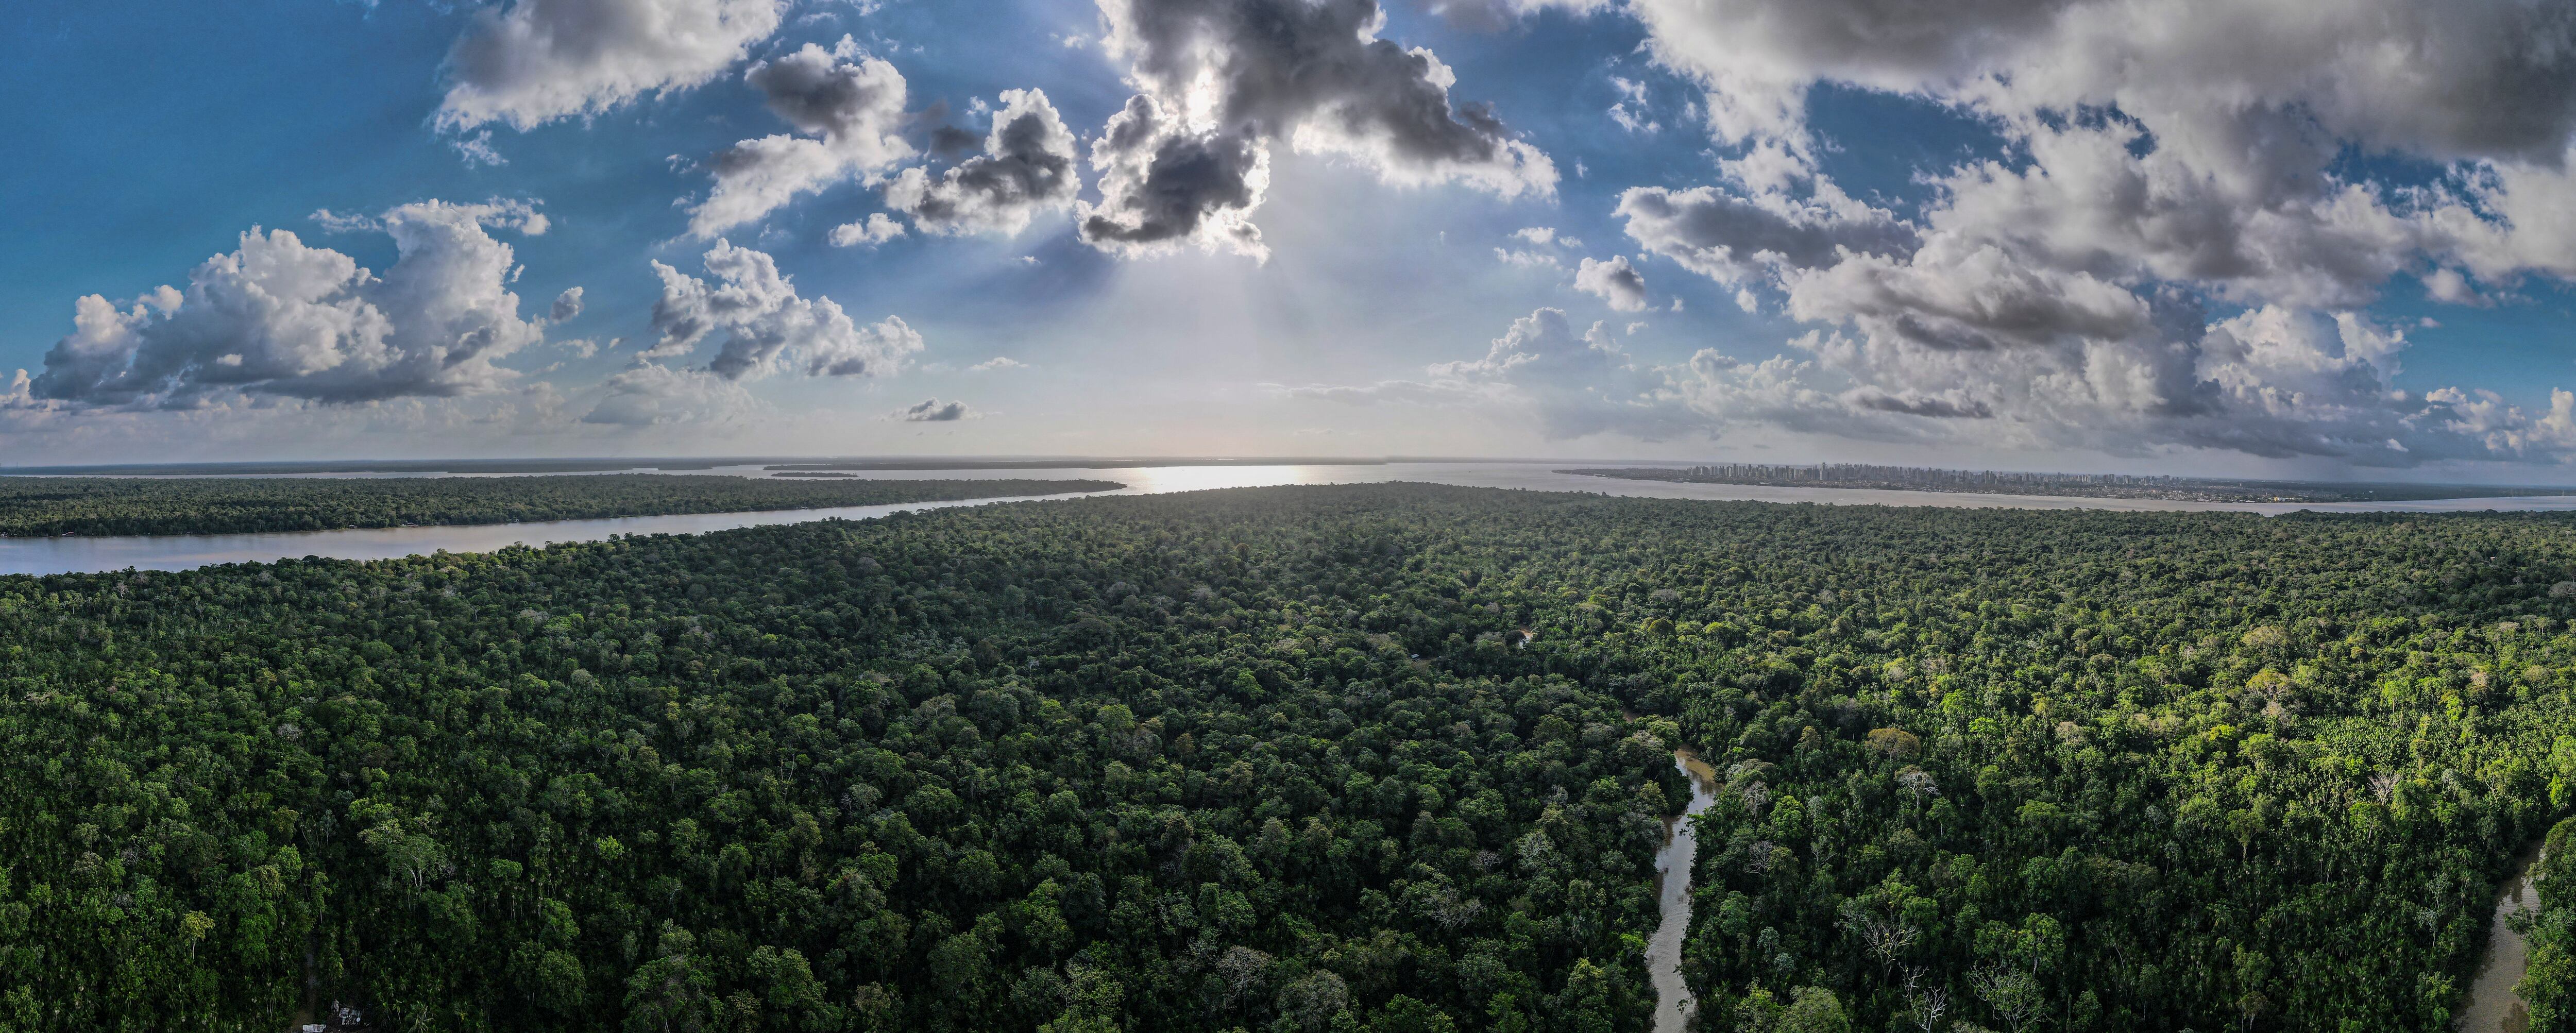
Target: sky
(2311,238)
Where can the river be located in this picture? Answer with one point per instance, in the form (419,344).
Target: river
(2492,1006)
(182,552)
(1673,1002)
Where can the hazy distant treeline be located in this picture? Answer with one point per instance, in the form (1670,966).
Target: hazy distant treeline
(1371,758)
(2083,485)
(44,506)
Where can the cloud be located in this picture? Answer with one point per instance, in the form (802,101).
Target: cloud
(2209,76)
(1954,296)
(1536,255)
(1493,15)
(1615,282)
(229,428)
(1542,373)
(1187,160)
(932,410)
(276,317)
(767,326)
(876,230)
(849,108)
(1732,238)
(1632,92)
(335,222)
(567,305)
(1027,167)
(1541,370)
(648,394)
(1162,186)
(1410,392)
(877,349)
(2158,162)
(477,150)
(535,61)
(997,364)
(841,95)
(768,329)
(1950,405)
(2194,140)
(1542,343)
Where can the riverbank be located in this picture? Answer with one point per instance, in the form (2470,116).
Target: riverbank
(1673,1002)
(2491,1006)
(182,552)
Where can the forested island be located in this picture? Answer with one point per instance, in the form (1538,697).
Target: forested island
(1070,464)
(44,506)
(1388,758)
(2086,485)
(319,468)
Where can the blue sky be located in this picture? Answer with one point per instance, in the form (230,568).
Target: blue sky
(1399,309)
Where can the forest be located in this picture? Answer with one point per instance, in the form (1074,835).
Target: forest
(1880,477)
(1384,758)
(46,506)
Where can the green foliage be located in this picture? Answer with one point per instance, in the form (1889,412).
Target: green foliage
(44,506)
(1166,766)
(2106,772)
(1381,757)
(2548,983)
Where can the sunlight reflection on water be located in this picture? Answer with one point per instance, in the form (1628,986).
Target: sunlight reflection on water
(181,552)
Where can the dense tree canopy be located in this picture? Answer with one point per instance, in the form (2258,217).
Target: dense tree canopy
(2548,984)
(34,506)
(1385,758)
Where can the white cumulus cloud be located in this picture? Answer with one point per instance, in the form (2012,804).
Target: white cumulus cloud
(2159,162)
(1615,282)
(279,317)
(848,108)
(767,325)
(875,230)
(534,61)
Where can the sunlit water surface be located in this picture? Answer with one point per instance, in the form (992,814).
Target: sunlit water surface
(182,552)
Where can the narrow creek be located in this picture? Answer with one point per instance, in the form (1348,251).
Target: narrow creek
(1673,1002)
(2492,1006)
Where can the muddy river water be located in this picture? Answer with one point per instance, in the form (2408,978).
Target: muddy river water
(2491,1006)
(1673,1003)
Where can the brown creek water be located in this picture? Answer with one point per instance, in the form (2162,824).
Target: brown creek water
(2492,1006)
(1673,1002)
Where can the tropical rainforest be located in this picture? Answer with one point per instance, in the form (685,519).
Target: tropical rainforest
(1381,758)
(35,506)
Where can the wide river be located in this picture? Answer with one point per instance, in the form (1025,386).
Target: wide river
(182,552)
(2491,1006)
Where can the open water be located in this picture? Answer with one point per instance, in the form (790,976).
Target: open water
(183,552)
(2492,1006)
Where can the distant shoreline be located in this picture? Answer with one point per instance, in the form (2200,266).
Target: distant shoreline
(54,507)
(2088,486)
(668,465)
